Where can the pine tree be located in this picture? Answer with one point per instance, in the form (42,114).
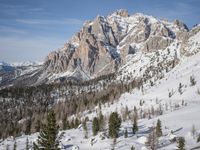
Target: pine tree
(132,148)
(114,124)
(158,128)
(135,126)
(125,133)
(66,125)
(47,138)
(181,143)
(192,80)
(101,121)
(193,131)
(28,127)
(95,126)
(72,124)
(152,141)
(15,146)
(27,144)
(37,126)
(76,124)
(198,139)
(85,128)
(180,90)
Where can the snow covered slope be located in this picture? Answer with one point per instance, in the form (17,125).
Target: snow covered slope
(175,92)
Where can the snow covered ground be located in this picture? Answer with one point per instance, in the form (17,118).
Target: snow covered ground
(180,107)
(180,113)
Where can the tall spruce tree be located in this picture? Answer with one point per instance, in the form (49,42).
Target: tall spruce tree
(95,126)
(47,139)
(114,124)
(152,141)
(158,128)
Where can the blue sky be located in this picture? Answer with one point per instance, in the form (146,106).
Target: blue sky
(30,29)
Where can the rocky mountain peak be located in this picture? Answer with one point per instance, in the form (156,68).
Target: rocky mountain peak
(180,25)
(105,42)
(122,13)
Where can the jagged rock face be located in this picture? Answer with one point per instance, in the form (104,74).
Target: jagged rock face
(104,43)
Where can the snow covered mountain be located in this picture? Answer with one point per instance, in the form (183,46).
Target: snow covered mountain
(103,45)
(114,64)
(171,95)
(11,72)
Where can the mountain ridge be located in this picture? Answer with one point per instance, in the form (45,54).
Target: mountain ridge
(102,45)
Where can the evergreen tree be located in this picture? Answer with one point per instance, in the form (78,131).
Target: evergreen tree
(37,126)
(76,124)
(15,146)
(181,143)
(114,124)
(198,139)
(152,141)
(66,125)
(135,126)
(192,80)
(95,126)
(28,127)
(85,128)
(72,124)
(158,128)
(193,131)
(27,144)
(125,133)
(135,112)
(101,121)
(132,148)
(47,139)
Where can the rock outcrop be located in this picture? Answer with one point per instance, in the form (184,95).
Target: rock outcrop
(106,41)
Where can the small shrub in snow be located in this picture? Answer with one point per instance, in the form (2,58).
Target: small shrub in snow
(192,81)
(181,143)
(15,146)
(198,139)
(198,91)
(180,89)
(132,148)
(193,131)
(125,133)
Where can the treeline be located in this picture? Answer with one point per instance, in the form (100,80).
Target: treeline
(23,109)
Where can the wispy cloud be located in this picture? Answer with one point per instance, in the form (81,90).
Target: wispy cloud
(7,29)
(14,48)
(70,21)
(15,10)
